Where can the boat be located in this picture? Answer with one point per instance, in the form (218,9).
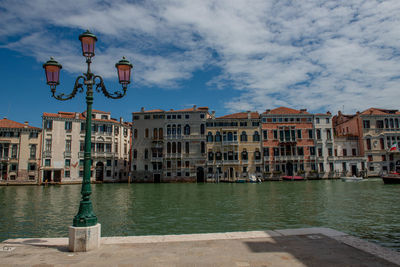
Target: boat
(292,178)
(391,178)
(254,179)
(351,179)
(240,180)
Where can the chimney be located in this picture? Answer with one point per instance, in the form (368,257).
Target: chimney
(267,111)
(194,107)
(328,112)
(339,113)
(26,124)
(142,109)
(121,120)
(303,110)
(248,114)
(76,115)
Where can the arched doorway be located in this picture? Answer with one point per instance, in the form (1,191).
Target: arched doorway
(231,173)
(200,175)
(99,171)
(289,169)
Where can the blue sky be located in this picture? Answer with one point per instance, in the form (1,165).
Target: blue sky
(229,55)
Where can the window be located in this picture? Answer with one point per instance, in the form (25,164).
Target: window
(382,141)
(344,166)
(354,152)
(243,137)
(210,155)
(109,162)
(187,148)
(300,151)
(299,133)
(318,134)
(33,135)
(203,147)
(320,152)
(275,134)
(134,153)
(187,116)
(310,134)
(146,133)
(257,155)
(383,157)
(48,124)
(366,124)
(168,147)
(331,167)
(369,157)
(344,152)
(146,153)
(68,125)
(186,130)
(368,144)
(125,148)
(266,151)
(160,133)
(265,134)
(209,137)
(135,133)
(31,166)
(68,145)
(330,152)
(32,152)
(179,147)
(67,162)
(202,116)
(321,167)
(202,128)
(328,134)
(379,124)
(14,150)
(327,120)
(47,162)
(173,147)
(256,136)
(317,120)
(312,151)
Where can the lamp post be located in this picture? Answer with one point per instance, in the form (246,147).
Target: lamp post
(86,217)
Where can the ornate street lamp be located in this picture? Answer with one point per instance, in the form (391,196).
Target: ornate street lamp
(86,216)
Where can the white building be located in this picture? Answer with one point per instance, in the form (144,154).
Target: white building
(63,147)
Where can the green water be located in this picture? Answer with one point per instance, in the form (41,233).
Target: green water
(367,209)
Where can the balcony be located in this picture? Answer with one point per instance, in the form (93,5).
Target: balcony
(103,154)
(156,159)
(4,158)
(67,154)
(266,158)
(157,144)
(173,155)
(46,154)
(231,162)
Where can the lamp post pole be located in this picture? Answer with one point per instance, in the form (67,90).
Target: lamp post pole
(86,217)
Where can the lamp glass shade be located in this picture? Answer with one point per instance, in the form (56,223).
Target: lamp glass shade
(52,69)
(124,74)
(88,43)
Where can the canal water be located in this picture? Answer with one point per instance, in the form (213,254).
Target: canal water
(367,209)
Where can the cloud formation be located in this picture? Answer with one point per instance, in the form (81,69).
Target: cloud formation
(315,54)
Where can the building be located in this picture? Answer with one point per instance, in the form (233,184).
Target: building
(376,131)
(296,142)
(169,146)
(20,146)
(347,157)
(234,147)
(63,147)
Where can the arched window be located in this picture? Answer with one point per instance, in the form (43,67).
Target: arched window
(134,153)
(135,133)
(243,137)
(256,136)
(217,137)
(174,129)
(203,147)
(218,156)
(202,129)
(168,130)
(155,133)
(386,123)
(146,133)
(187,129)
(396,122)
(178,130)
(209,137)
(33,152)
(230,136)
(210,155)
(168,147)
(187,148)
(257,155)
(146,153)
(173,147)
(391,123)
(160,133)
(244,155)
(179,147)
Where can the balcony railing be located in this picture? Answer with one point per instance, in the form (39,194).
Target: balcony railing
(67,154)
(46,154)
(4,158)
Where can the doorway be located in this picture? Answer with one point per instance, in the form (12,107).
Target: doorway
(200,175)
(57,176)
(157,178)
(99,171)
(289,168)
(354,170)
(47,176)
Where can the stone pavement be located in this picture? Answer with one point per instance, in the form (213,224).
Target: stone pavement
(290,247)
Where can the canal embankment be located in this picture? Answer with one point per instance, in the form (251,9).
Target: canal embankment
(289,247)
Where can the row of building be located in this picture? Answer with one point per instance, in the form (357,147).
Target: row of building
(194,144)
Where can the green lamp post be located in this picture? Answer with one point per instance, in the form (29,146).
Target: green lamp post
(86,216)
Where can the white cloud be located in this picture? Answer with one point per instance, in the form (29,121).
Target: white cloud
(314,54)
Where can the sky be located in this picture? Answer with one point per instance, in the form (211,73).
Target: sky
(229,55)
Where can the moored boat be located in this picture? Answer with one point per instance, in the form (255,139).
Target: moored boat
(292,178)
(391,178)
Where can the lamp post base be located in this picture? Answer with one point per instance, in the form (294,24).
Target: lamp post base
(82,239)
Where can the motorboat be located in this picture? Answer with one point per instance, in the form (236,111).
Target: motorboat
(391,178)
(254,179)
(351,178)
(292,178)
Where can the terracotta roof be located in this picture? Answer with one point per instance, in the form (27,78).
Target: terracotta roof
(285,110)
(189,109)
(71,115)
(149,111)
(379,111)
(6,123)
(241,115)
(99,111)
